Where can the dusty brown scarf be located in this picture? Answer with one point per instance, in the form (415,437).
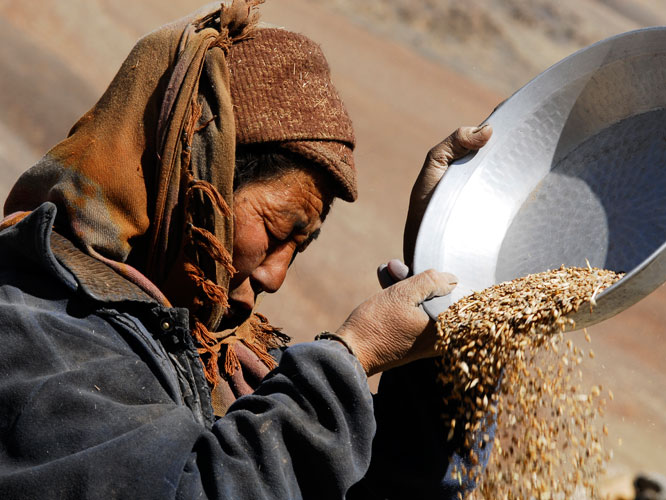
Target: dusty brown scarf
(144,181)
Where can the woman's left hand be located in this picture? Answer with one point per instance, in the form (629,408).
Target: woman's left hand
(454,147)
(390,328)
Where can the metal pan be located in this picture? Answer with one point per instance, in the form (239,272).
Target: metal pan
(575,171)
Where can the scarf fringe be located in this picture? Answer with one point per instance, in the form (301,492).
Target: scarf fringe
(231,361)
(237,21)
(207,241)
(212,291)
(262,354)
(208,190)
(208,244)
(211,348)
(265,337)
(189,128)
(271,336)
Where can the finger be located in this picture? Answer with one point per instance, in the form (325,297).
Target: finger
(423,286)
(458,144)
(474,138)
(392,272)
(384,276)
(398,270)
(454,147)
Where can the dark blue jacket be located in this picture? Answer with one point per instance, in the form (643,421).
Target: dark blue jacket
(102,395)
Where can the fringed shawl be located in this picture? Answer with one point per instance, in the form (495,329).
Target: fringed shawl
(144,181)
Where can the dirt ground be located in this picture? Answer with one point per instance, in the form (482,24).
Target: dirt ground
(57,58)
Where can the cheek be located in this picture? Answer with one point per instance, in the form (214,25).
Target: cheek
(250,244)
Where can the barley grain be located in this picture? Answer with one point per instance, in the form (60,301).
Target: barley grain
(503,350)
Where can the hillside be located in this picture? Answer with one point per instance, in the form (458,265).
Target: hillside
(500,43)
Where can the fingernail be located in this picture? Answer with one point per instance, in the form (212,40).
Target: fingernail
(479,129)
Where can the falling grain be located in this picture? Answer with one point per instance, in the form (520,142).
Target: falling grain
(504,356)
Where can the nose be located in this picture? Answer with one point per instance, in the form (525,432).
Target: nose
(270,275)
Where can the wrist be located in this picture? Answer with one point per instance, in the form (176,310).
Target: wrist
(325,335)
(358,348)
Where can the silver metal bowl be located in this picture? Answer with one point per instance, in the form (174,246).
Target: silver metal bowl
(575,171)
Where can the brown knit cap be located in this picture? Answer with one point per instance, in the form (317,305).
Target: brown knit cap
(282,93)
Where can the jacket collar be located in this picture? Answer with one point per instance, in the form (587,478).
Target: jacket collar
(34,238)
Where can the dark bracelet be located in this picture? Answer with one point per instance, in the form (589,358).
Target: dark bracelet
(334,336)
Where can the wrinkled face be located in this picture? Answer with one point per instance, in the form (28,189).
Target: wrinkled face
(273,220)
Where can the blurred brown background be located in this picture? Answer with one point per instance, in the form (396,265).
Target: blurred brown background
(410,72)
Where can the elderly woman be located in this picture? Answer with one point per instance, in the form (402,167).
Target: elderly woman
(133,365)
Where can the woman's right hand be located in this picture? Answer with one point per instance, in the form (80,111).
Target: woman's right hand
(454,147)
(390,329)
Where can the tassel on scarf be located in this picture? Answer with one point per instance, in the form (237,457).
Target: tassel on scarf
(263,336)
(262,354)
(210,347)
(212,291)
(231,361)
(202,240)
(237,20)
(207,241)
(270,336)
(211,193)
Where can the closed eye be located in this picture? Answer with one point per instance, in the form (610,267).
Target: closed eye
(274,241)
(311,238)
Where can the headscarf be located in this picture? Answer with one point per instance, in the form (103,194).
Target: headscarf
(144,180)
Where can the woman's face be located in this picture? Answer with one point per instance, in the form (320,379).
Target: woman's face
(273,220)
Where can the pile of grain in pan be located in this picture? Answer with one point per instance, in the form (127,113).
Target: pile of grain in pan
(504,355)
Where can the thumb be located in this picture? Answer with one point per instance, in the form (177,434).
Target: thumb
(391,272)
(423,286)
(457,145)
